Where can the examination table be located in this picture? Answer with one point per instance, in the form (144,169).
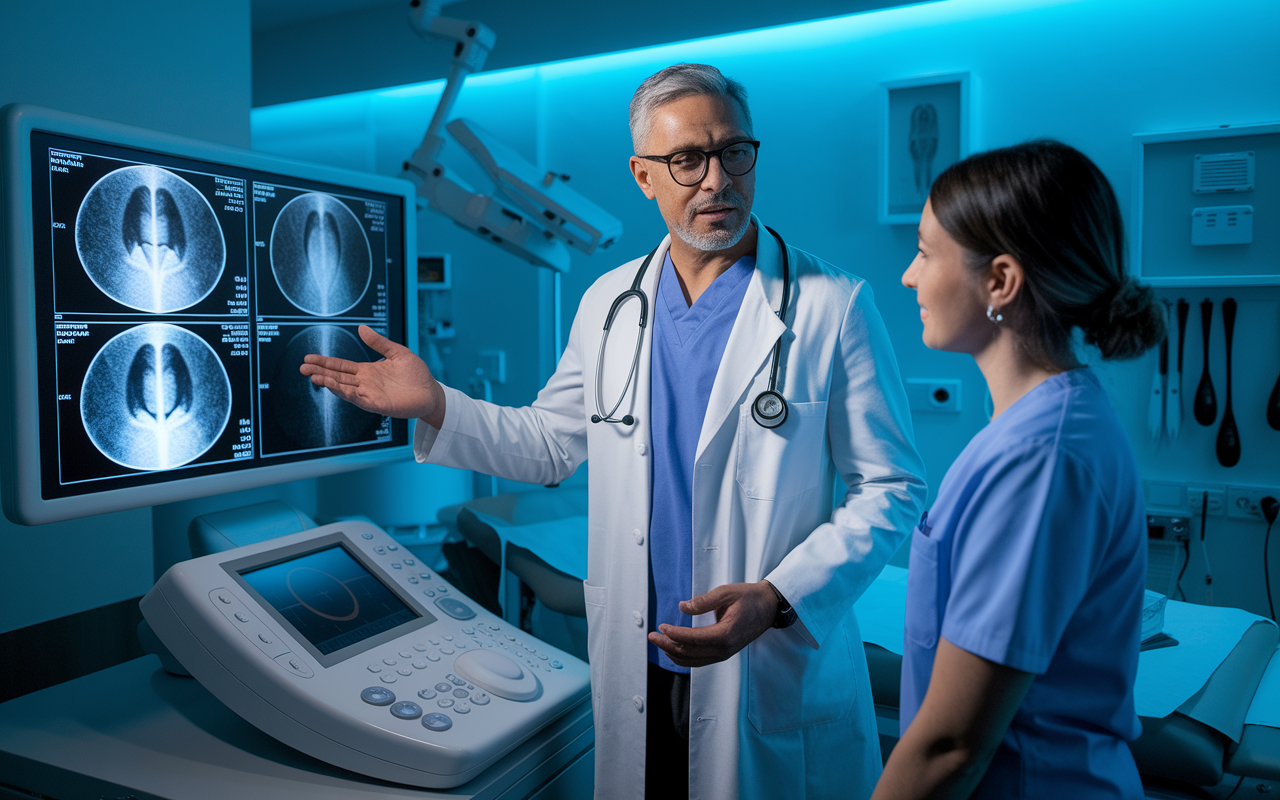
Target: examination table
(1205,707)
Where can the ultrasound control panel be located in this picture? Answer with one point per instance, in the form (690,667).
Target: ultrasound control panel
(338,642)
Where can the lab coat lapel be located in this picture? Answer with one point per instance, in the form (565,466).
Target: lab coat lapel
(751,341)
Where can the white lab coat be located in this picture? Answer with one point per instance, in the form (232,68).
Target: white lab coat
(790,716)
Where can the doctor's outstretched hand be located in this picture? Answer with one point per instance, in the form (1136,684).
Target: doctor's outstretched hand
(399,385)
(743,612)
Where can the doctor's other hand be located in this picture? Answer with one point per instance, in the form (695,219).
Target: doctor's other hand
(743,612)
(399,385)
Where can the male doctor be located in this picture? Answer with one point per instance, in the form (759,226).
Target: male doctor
(726,659)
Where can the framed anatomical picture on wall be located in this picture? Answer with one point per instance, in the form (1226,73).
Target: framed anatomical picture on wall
(925,129)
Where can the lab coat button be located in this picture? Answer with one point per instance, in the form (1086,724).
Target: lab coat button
(638,617)
(640,448)
(639,537)
(639,701)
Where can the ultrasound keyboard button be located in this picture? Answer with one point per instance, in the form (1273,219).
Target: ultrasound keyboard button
(437,722)
(445,702)
(463,707)
(406,709)
(377,696)
(427,694)
(389,679)
(460,693)
(443,687)
(480,698)
(454,607)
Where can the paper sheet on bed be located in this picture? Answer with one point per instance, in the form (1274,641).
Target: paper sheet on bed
(1265,708)
(562,543)
(1167,677)
(1206,635)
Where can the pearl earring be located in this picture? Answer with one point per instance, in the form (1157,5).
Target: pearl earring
(991,315)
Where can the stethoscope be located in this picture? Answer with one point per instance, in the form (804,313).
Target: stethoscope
(769,408)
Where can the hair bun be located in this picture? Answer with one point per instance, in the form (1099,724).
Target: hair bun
(1124,321)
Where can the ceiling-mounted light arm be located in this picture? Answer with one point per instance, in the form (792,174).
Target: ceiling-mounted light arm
(472,42)
(531,218)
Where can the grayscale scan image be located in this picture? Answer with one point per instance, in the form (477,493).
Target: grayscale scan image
(155,397)
(308,416)
(320,255)
(150,240)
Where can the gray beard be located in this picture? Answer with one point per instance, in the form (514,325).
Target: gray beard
(718,239)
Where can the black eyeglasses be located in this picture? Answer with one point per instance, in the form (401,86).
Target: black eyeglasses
(689,167)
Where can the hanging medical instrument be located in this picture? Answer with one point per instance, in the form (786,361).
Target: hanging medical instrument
(769,408)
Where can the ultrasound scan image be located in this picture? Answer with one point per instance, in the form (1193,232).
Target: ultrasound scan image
(320,255)
(155,397)
(309,416)
(150,240)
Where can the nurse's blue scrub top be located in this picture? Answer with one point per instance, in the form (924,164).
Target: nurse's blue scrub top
(1034,556)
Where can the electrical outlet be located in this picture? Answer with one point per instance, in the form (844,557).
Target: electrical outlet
(1245,502)
(1173,529)
(933,394)
(1217,500)
(494,364)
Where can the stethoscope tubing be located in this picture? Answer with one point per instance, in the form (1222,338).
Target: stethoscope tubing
(636,291)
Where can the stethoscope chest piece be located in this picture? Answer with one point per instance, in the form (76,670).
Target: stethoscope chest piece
(769,409)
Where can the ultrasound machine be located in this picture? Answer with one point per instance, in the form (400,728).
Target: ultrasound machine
(159,296)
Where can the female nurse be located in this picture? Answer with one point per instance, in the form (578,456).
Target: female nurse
(1024,591)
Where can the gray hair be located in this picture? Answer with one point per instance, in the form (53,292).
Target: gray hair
(675,83)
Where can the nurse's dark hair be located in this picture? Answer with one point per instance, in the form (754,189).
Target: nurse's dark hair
(674,83)
(1047,205)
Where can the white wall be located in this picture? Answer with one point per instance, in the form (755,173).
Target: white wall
(1091,73)
(182,69)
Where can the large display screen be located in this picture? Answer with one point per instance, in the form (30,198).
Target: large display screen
(331,601)
(174,300)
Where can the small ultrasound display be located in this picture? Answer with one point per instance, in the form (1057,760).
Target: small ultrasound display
(176,300)
(329,599)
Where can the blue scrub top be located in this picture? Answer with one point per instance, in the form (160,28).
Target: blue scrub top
(688,343)
(1034,556)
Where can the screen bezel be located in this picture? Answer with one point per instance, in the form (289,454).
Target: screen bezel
(20,452)
(236,570)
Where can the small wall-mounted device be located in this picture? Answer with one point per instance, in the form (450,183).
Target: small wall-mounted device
(1221,225)
(1222,172)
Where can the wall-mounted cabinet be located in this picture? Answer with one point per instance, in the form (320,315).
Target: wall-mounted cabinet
(1207,206)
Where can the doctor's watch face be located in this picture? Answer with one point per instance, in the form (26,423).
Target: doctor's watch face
(715,212)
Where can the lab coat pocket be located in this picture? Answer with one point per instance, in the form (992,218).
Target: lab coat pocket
(775,463)
(790,685)
(922,590)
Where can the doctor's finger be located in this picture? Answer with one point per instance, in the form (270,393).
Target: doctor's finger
(329,363)
(377,341)
(717,598)
(684,655)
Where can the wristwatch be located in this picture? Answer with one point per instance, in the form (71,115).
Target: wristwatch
(786,616)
